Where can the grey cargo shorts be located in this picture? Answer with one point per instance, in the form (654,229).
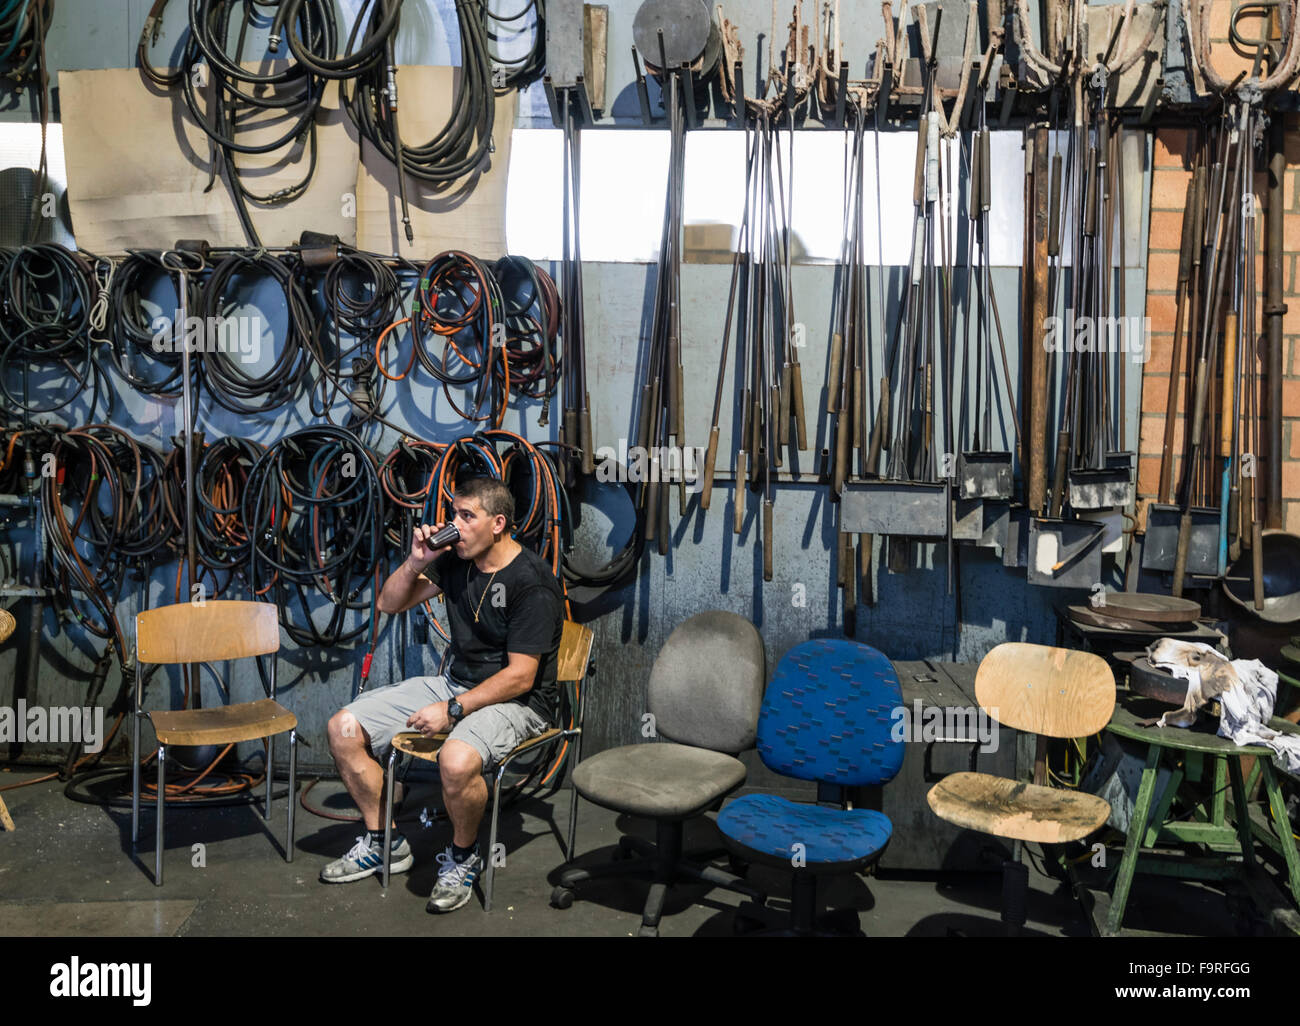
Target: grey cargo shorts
(493,731)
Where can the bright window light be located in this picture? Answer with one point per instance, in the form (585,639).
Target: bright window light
(625,175)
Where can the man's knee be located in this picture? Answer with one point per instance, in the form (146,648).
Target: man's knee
(459,764)
(346,736)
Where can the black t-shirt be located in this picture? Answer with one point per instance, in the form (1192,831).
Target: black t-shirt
(521,609)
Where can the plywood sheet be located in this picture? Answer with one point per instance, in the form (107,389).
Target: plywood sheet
(470,214)
(138,170)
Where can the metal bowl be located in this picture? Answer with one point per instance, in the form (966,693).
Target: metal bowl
(1162,686)
(1281,580)
(1153,682)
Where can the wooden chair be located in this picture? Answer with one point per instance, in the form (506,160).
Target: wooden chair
(1049,692)
(571,667)
(214,631)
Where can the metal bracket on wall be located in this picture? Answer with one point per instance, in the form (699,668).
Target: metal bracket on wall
(575,94)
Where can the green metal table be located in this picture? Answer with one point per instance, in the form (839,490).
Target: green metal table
(1191,748)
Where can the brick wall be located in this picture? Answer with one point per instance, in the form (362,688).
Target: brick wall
(1171,173)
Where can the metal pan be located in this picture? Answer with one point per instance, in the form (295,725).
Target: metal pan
(1151,608)
(1281,580)
(1093,618)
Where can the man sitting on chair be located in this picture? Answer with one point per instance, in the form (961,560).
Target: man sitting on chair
(505,610)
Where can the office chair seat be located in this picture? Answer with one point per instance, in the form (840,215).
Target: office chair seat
(659,781)
(762,828)
(1019,811)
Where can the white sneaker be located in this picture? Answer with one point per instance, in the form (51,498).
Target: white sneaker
(366,858)
(455,882)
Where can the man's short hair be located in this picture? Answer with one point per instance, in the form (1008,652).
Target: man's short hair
(492,495)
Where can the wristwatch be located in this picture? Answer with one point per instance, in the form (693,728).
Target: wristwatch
(454,711)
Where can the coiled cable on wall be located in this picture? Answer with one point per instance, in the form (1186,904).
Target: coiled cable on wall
(45,302)
(462,144)
(518,72)
(137,344)
(314,509)
(232,387)
(23,25)
(236,94)
(496,324)
(362,295)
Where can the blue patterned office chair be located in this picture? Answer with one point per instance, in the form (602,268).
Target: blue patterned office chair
(827,716)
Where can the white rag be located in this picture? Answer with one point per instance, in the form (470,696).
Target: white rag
(1246,690)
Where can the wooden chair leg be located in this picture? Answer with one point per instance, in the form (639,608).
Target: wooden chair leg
(1282,827)
(1136,827)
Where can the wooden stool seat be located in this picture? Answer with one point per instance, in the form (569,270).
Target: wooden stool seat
(417,746)
(224,724)
(1020,811)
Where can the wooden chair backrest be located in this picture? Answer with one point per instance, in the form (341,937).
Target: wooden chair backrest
(1055,692)
(214,631)
(574,654)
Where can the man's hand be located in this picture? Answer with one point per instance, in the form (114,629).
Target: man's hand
(430,720)
(421,553)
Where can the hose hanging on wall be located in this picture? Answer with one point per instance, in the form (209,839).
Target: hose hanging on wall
(44,321)
(518,72)
(23,25)
(236,94)
(145,351)
(314,508)
(462,144)
(362,295)
(233,387)
(497,323)
(220,482)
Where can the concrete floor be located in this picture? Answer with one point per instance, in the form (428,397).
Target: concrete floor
(66,871)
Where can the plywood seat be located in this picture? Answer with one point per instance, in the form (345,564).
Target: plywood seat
(224,724)
(1020,811)
(417,746)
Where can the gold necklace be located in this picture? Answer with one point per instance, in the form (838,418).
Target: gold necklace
(485,590)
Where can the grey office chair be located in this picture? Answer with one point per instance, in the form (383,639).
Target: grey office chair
(704,693)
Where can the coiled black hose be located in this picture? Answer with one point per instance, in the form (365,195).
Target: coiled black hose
(224,373)
(315,512)
(220,483)
(23,25)
(145,351)
(294,92)
(44,321)
(362,295)
(462,144)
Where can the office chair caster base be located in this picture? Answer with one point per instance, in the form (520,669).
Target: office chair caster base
(561,897)
(743,925)
(738,866)
(843,922)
